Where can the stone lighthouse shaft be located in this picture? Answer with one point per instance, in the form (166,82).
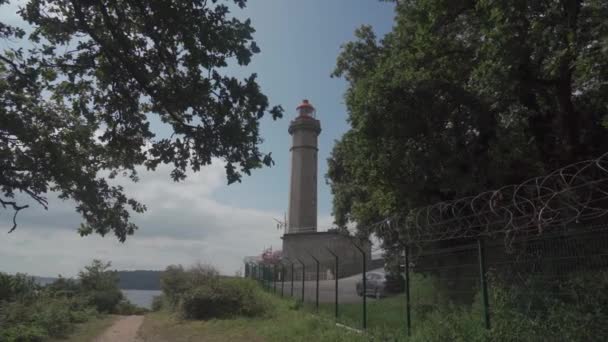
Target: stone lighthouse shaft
(304,129)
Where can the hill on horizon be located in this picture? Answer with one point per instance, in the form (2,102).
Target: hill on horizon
(127,280)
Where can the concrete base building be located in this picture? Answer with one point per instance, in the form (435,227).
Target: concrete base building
(304,246)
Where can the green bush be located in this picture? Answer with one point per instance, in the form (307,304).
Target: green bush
(17,287)
(82,315)
(22,333)
(16,312)
(53,316)
(176,281)
(158,303)
(574,309)
(127,308)
(223,298)
(106,300)
(100,286)
(29,312)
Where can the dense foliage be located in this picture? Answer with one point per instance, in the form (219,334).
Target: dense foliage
(200,293)
(464,96)
(77,107)
(574,309)
(29,312)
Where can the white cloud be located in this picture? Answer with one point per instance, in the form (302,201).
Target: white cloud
(183,224)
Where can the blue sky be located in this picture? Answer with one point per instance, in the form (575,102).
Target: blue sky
(203,219)
(300,41)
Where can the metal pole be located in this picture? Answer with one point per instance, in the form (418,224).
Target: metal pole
(484,287)
(336,280)
(282,280)
(261,268)
(317,293)
(292,273)
(274,278)
(303,276)
(364,285)
(266,277)
(408,319)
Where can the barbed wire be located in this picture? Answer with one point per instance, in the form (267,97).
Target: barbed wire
(577,193)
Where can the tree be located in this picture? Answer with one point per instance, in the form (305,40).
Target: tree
(76,108)
(100,285)
(466,96)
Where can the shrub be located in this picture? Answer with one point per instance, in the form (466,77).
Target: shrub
(17,287)
(176,281)
(16,312)
(22,333)
(127,308)
(223,298)
(105,301)
(574,309)
(158,303)
(53,316)
(82,315)
(100,286)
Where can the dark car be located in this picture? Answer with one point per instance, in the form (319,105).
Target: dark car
(375,285)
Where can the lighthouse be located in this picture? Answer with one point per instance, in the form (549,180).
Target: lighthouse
(304,130)
(302,241)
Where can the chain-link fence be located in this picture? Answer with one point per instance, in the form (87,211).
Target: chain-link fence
(536,283)
(527,262)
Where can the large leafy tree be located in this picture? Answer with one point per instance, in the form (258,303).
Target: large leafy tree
(76,107)
(464,96)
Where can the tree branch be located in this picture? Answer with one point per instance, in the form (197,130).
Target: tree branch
(17,208)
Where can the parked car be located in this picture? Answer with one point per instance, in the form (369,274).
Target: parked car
(375,283)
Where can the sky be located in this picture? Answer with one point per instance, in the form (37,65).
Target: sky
(203,219)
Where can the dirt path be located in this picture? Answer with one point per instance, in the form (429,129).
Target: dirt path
(123,330)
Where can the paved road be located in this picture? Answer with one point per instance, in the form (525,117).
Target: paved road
(347,292)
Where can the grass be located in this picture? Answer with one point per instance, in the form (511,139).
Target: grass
(288,322)
(89,330)
(383,315)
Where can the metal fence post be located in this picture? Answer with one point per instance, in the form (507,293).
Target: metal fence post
(282,280)
(258,269)
(262,275)
(484,287)
(266,277)
(303,276)
(408,317)
(336,279)
(274,278)
(292,273)
(364,284)
(317,293)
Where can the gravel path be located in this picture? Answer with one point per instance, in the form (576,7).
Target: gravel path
(123,330)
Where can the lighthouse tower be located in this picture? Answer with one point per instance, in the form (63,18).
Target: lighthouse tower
(304,129)
(301,239)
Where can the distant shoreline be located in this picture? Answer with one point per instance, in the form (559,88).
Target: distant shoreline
(127,280)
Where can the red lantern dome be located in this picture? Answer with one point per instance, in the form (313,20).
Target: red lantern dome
(306,109)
